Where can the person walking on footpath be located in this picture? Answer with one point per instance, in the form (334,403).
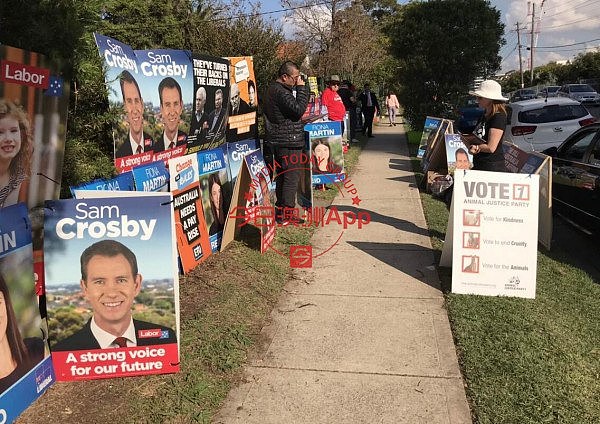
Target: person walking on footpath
(488,156)
(285,132)
(391,102)
(369,106)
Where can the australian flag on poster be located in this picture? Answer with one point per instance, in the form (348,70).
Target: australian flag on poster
(32,371)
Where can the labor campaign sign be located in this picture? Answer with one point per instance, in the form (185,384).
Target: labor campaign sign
(115,313)
(26,361)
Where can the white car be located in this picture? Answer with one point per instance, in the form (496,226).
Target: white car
(536,125)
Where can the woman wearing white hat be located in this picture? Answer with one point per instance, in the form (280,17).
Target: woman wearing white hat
(488,156)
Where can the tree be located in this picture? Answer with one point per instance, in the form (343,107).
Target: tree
(442,46)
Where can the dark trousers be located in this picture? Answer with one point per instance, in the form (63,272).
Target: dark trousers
(369,113)
(352,113)
(289,169)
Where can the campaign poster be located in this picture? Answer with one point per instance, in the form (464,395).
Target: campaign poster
(251,202)
(243,100)
(235,156)
(193,241)
(167,87)
(27,365)
(112,288)
(259,206)
(151,177)
(133,143)
(457,154)
(429,132)
(326,152)
(122,182)
(216,193)
(211,103)
(33,116)
(495,230)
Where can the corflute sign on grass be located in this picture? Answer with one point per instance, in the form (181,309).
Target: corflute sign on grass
(495,233)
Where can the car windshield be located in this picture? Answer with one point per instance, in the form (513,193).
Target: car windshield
(581,88)
(552,113)
(527,92)
(552,89)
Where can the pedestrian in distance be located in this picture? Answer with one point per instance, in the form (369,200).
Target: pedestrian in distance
(370,107)
(285,133)
(485,143)
(391,102)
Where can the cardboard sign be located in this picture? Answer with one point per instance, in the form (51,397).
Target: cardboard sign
(100,326)
(22,327)
(430,130)
(193,241)
(326,152)
(243,101)
(495,221)
(457,154)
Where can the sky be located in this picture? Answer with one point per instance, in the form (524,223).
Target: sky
(574,24)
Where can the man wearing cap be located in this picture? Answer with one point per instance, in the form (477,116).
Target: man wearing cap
(332,100)
(488,156)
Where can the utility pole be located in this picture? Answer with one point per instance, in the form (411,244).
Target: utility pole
(532,34)
(520,59)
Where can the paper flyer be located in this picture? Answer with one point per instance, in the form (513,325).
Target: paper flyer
(326,152)
(27,373)
(112,285)
(457,154)
(211,103)
(193,242)
(243,104)
(495,229)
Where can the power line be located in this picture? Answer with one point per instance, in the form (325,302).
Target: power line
(568,8)
(567,45)
(573,22)
(248,15)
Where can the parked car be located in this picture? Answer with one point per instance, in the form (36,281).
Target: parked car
(523,94)
(583,93)
(468,115)
(549,91)
(576,177)
(543,123)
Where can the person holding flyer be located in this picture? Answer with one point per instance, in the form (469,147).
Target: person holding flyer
(110,282)
(485,143)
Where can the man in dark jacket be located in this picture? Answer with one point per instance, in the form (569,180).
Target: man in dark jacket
(285,132)
(369,106)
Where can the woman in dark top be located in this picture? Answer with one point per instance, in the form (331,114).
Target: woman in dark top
(17,356)
(489,156)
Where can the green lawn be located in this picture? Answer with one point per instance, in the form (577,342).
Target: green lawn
(526,361)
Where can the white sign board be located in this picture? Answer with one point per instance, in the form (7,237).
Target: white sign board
(494,250)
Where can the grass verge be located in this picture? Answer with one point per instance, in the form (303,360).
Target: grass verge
(224,304)
(525,361)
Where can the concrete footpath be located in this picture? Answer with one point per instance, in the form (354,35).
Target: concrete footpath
(362,336)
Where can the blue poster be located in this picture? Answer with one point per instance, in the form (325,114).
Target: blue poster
(24,330)
(122,182)
(151,177)
(326,152)
(235,156)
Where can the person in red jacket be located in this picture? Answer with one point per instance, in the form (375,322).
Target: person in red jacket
(332,100)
